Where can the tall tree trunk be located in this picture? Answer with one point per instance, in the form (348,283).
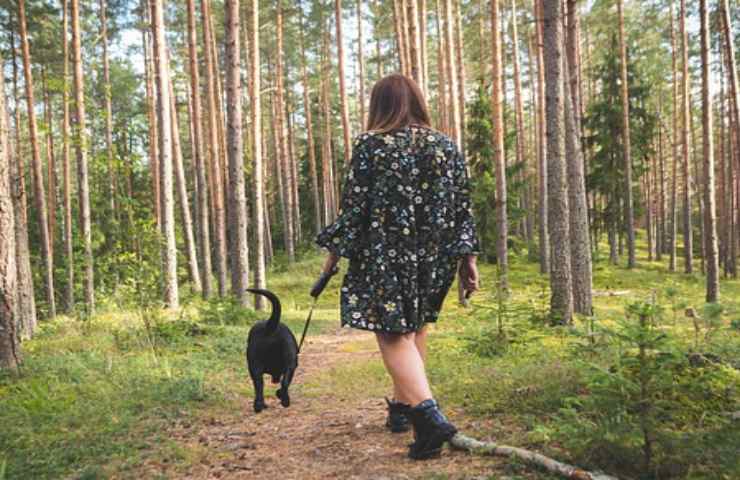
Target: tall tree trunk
(10,355)
(460,62)
(26,299)
(414,44)
(561,301)
(674,177)
(198,154)
(521,146)
(151,117)
(182,195)
(214,144)
(346,133)
(572,51)
(51,174)
(66,167)
(734,91)
(452,80)
(499,161)
(442,97)
(399,27)
(580,243)
(38,175)
(285,169)
(361,65)
(544,228)
(423,14)
(626,142)
(686,113)
(308,115)
(162,74)
(83,189)
(237,200)
(294,174)
(260,280)
(108,110)
(710,220)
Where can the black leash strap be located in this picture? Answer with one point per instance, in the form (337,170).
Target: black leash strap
(316,290)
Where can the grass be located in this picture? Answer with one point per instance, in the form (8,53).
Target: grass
(94,398)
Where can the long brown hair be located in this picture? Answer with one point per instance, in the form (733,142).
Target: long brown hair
(396,102)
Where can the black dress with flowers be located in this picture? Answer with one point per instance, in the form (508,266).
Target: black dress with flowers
(404,221)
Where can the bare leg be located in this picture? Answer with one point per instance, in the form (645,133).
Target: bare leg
(420,339)
(406,366)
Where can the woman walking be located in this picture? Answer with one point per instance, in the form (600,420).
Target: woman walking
(406,226)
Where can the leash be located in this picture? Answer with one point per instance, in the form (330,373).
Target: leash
(316,290)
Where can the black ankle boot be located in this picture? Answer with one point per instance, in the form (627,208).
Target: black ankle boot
(397,420)
(431,430)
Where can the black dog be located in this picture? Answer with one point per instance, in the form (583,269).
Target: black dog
(271,349)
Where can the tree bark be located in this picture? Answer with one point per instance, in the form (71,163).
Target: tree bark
(260,280)
(214,143)
(580,243)
(346,133)
(10,355)
(235,151)
(66,167)
(544,237)
(285,169)
(399,28)
(26,309)
(687,182)
(83,189)
(414,43)
(443,122)
(561,301)
(37,170)
(423,14)
(499,161)
(51,174)
(198,154)
(452,81)
(182,195)
(710,220)
(674,177)
(162,74)
(626,142)
(460,63)
(308,115)
(521,143)
(151,117)
(360,62)
(108,110)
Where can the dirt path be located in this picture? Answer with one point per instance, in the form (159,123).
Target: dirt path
(319,436)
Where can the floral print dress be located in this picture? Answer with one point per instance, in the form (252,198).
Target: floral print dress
(405,219)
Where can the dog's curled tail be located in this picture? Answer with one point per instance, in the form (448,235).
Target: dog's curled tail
(274,320)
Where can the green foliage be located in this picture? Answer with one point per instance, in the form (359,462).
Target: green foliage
(225,311)
(634,412)
(480,154)
(603,122)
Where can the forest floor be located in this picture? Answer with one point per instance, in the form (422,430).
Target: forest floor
(139,393)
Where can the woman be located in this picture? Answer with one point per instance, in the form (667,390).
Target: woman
(405,224)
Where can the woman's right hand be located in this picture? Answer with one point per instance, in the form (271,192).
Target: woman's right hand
(468,272)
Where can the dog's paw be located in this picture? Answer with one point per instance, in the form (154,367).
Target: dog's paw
(284,398)
(259,406)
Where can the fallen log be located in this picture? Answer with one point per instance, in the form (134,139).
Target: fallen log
(463,442)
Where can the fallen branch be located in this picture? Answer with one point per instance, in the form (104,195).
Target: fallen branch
(462,442)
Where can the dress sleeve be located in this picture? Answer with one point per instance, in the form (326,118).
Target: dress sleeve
(344,236)
(465,241)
